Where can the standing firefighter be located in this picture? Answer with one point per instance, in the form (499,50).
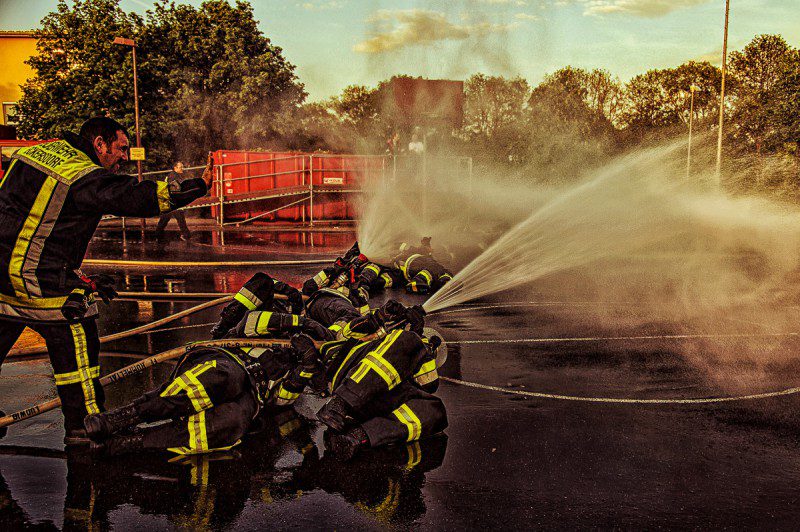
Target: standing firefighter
(51,200)
(212,399)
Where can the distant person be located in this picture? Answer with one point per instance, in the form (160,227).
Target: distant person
(51,200)
(175,176)
(416,146)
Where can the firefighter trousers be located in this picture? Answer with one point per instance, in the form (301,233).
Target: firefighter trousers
(380,391)
(209,401)
(74,350)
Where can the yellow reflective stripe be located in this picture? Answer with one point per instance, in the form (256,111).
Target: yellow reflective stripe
(373,268)
(427,275)
(320,278)
(408,418)
(344,363)
(57,159)
(193,388)
(364,310)
(295,320)
(262,325)
(414,455)
(387,280)
(52,303)
(74,377)
(407,264)
(306,375)
(427,378)
(84,370)
(375,361)
(5,175)
(249,305)
(164,200)
(427,367)
(285,394)
(26,234)
(289,427)
(445,277)
(347,332)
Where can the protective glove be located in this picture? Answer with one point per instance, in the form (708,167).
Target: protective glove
(359,297)
(296,303)
(315,329)
(416,318)
(75,307)
(304,345)
(208,173)
(392,310)
(103,285)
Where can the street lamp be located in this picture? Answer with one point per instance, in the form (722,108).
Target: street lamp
(130,42)
(691,119)
(722,91)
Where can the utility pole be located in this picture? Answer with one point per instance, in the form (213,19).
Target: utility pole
(722,92)
(691,119)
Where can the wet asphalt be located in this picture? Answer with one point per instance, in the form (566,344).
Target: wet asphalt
(506,460)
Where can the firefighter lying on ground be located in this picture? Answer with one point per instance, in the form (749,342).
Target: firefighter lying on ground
(382,388)
(422,273)
(258,294)
(212,398)
(352,260)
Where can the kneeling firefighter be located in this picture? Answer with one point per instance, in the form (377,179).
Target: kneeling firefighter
(212,398)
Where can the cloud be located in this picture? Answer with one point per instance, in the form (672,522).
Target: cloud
(506,2)
(320,6)
(638,8)
(401,28)
(715,57)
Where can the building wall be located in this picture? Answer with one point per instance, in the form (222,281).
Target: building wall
(15,48)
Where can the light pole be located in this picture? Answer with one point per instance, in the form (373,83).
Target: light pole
(691,119)
(722,91)
(130,42)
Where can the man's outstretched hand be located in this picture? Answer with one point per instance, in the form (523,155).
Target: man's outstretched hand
(208,173)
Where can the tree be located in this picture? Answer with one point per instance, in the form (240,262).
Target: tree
(494,115)
(208,78)
(758,71)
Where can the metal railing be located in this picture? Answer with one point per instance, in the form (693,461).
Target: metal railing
(310,166)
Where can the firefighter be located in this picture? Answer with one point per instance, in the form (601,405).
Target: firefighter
(422,273)
(212,398)
(343,271)
(51,200)
(376,277)
(382,392)
(258,294)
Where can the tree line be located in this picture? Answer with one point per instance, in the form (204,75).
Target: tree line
(209,79)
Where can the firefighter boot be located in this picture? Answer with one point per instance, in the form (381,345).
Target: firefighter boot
(117,445)
(345,445)
(335,413)
(101,426)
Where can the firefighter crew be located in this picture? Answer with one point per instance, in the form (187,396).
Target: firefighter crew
(51,199)
(212,398)
(382,389)
(258,293)
(422,273)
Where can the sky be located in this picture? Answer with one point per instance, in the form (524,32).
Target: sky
(336,43)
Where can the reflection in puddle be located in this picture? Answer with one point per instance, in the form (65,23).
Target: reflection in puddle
(271,473)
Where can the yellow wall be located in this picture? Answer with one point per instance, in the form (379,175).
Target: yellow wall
(15,49)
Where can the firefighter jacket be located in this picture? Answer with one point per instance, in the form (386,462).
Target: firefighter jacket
(51,201)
